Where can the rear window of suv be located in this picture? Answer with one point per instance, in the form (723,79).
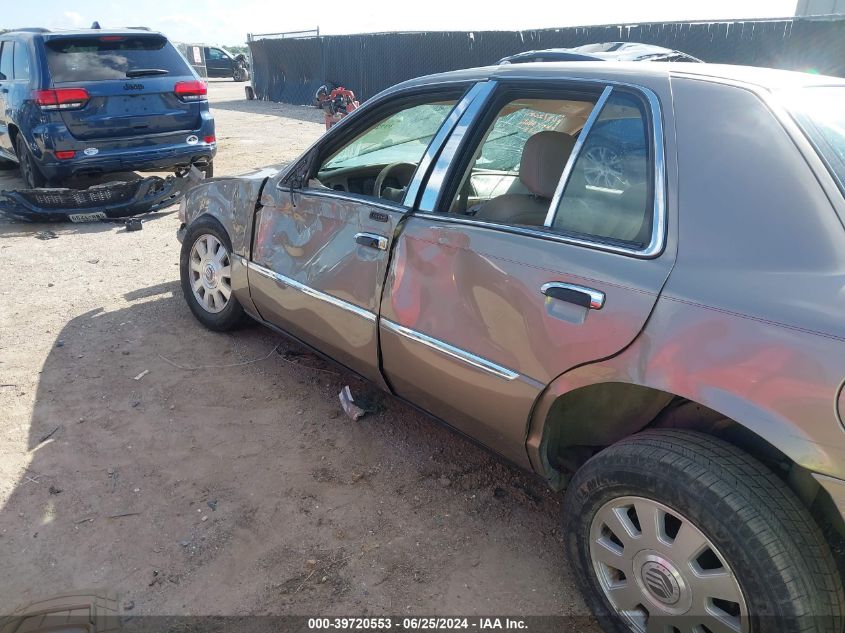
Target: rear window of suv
(820,112)
(101,57)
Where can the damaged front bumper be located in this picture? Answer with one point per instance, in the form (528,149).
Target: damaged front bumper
(100,202)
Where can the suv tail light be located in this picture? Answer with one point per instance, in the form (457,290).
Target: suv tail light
(191,90)
(61,98)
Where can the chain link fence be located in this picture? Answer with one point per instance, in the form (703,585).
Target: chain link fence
(291,70)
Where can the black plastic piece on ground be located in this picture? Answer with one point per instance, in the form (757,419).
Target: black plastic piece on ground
(111,200)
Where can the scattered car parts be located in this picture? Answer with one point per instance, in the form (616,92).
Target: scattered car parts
(335,102)
(100,202)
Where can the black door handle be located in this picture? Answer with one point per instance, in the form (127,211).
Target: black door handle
(372,240)
(571,293)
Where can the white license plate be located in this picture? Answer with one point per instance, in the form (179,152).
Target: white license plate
(87,217)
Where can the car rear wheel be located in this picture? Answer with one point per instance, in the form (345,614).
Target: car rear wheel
(680,531)
(206,274)
(30,173)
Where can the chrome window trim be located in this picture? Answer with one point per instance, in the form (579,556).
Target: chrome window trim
(352,197)
(450,350)
(311,292)
(531,232)
(574,154)
(438,174)
(659,218)
(437,142)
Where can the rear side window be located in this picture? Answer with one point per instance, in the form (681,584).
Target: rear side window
(609,192)
(6,60)
(21,64)
(112,57)
(820,111)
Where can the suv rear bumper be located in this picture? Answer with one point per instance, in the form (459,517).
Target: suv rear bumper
(159,152)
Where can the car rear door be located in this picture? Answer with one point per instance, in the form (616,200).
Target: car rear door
(137,85)
(479,315)
(322,238)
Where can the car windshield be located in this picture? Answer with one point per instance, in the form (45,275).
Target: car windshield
(820,111)
(102,57)
(402,137)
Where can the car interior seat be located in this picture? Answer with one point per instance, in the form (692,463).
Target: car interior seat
(541,166)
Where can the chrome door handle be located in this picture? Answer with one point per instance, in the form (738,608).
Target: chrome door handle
(372,240)
(579,295)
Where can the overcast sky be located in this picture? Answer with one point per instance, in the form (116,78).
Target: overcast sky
(228,21)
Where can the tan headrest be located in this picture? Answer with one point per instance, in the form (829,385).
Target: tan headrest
(543,159)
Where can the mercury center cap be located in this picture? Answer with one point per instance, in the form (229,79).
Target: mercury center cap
(660,582)
(210,279)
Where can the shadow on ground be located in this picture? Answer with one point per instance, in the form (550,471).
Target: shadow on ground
(285,110)
(205,473)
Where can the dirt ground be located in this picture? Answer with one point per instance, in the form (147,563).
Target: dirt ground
(238,487)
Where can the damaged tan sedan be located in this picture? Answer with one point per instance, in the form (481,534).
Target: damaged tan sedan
(629,279)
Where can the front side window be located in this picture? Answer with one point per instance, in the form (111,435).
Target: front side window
(215,54)
(609,192)
(381,161)
(7,60)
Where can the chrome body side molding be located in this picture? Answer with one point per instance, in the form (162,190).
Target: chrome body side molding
(292,283)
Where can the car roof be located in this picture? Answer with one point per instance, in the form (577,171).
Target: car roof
(631,72)
(604,51)
(50,34)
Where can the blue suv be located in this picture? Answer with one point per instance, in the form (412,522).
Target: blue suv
(90,102)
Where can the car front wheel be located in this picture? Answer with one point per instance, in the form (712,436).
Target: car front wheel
(680,531)
(206,274)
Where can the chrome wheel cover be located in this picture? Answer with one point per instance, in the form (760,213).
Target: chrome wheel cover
(210,273)
(661,573)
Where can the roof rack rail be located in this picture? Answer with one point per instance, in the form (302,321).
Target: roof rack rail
(30,29)
(138,28)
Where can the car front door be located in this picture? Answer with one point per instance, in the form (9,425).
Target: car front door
(323,231)
(217,63)
(492,295)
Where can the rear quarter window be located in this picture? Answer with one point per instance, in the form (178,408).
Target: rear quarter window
(820,112)
(106,57)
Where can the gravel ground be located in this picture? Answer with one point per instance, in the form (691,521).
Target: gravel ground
(232,488)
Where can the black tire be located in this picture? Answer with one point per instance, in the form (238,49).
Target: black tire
(783,565)
(207,169)
(232,314)
(30,172)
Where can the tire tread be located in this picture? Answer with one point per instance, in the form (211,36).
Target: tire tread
(782,527)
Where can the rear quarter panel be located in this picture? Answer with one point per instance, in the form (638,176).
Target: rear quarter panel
(751,322)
